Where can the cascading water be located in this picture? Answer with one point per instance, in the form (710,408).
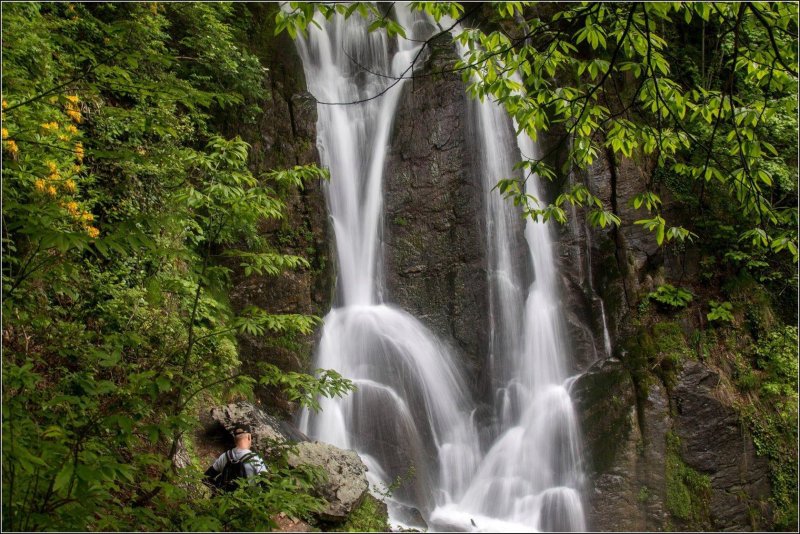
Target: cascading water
(411,407)
(531,475)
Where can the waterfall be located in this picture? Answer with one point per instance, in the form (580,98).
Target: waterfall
(412,407)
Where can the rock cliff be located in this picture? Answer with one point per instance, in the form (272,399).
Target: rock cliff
(434,243)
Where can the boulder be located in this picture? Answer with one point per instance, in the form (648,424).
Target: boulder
(346,483)
(267,430)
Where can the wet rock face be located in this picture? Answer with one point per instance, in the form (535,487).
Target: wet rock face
(605,400)
(627,451)
(434,234)
(346,483)
(712,442)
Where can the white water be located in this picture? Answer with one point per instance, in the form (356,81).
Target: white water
(412,406)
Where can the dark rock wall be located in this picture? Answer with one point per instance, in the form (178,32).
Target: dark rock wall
(434,225)
(656,418)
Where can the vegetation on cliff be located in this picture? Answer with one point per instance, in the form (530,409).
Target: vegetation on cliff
(123,212)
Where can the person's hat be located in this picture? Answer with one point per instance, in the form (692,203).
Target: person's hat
(241,428)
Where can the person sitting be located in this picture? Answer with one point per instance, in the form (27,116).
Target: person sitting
(238,462)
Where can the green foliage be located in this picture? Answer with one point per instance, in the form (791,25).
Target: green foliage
(370,516)
(672,296)
(122,210)
(769,377)
(720,312)
(776,355)
(304,388)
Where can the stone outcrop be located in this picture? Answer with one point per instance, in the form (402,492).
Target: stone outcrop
(267,431)
(712,443)
(645,416)
(346,482)
(634,440)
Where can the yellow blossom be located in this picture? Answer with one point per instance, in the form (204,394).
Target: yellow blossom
(72,208)
(5,133)
(86,216)
(12,147)
(5,104)
(69,186)
(79,151)
(51,190)
(40,185)
(50,126)
(63,137)
(73,98)
(92,231)
(76,169)
(54,177)
(52,166)
(74,115)
(72,129)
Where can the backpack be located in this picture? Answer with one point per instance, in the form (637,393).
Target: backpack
(233,470)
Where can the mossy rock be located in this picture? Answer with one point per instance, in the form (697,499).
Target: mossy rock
(688,491)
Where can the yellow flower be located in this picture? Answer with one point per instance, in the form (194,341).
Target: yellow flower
(40,185)
(92,231)
(54,177)
(5,133)
(79,151)
(12,147)
(52,166)
(76,169)
(72,129)
(50,126)
(74,115)
(73,98)
(86,216)
(5,104)
(70,186)
(72,208)
(51,190)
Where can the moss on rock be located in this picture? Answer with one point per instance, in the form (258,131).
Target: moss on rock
(688,491)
